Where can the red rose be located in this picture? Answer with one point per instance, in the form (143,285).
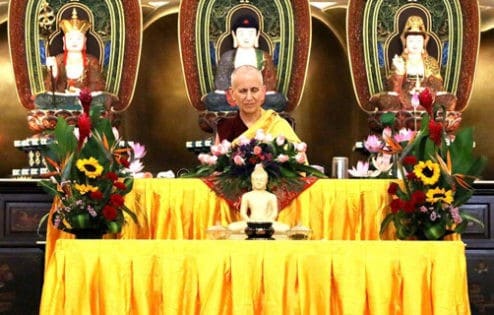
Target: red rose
(396,205)
(418,197)
(119,185)
(96,195)
(409,206)
(116,200)
(124,161)
(393,188)
(435,131)
(112,176)
(411,176)
(426,99)
(110,213)
(409,160)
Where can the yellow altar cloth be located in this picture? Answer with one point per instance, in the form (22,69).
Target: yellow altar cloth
(184,208)
(255,277)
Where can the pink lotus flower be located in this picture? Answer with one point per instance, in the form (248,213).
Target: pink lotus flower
(373,144)
(135,166)
(382,162)
(362,170)
(139,150)
(387,133)
(404,134)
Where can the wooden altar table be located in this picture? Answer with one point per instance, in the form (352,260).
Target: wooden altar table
(255,277)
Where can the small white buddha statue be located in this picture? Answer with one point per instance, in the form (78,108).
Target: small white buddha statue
(262,204)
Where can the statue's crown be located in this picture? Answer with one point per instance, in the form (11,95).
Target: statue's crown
(75,24)
(414,25)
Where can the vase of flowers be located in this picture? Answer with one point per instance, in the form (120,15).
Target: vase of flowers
(90,171)
(228,166)
(437,170)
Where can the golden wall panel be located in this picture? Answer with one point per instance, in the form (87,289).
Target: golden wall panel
(160,116)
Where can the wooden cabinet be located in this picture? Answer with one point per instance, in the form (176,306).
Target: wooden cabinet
(479,242)
(22,204)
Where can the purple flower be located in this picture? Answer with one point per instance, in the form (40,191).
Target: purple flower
(91,211)
(455,214)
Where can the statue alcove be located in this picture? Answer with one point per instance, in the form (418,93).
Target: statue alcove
(284,32)
(374,38)
(114,38)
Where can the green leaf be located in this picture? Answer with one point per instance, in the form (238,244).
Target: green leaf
(466,216)
(130,213)
(385,223)
(49,187)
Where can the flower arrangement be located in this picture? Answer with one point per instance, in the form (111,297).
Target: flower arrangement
(230,166)
(437,170)
(90,172)
(383,150)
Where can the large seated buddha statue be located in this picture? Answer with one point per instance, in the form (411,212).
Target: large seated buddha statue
(412,71)
(245,33)
(59,48)
(217,37)
(72,70)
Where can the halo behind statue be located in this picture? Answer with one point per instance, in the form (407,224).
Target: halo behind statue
(374,34)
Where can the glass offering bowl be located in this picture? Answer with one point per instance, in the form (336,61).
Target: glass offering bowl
(218,232)
(299,232)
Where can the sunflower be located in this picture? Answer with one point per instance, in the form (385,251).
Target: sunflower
(82,188)
(427,171)
(439,194)
(90,167)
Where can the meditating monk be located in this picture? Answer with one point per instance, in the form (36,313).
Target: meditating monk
(262,204)
(245,33)
(74,69)
(248,92)
(413,71)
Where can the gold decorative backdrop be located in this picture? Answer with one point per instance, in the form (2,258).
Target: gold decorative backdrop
(328,117)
